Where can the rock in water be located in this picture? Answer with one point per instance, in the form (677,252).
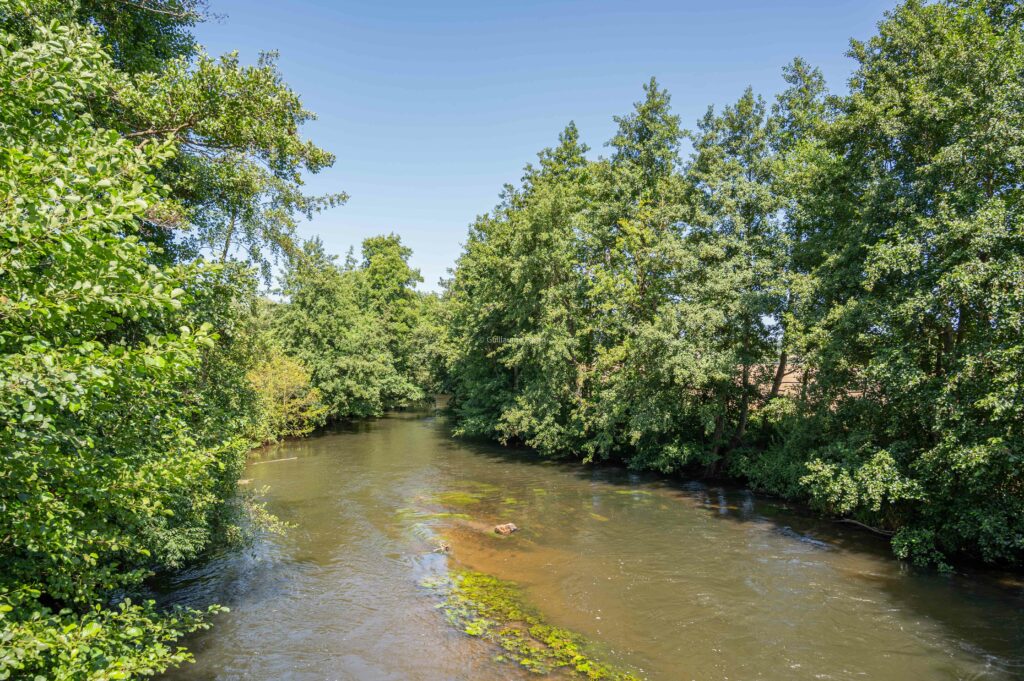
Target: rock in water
(507,528)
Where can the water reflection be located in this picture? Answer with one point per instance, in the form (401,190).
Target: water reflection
(677,580)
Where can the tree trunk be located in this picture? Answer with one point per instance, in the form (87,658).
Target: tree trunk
(741,427)
(780,374)
(716,437)
(227,241)
(711,469)
(943,357)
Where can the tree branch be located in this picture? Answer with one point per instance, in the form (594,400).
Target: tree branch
(851,521)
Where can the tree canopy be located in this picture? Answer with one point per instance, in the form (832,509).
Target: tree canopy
(823,299)
(125,355)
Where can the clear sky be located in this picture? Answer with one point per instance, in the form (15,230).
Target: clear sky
(431,107)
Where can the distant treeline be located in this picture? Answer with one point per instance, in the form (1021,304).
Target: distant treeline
(368,341)
(825,297)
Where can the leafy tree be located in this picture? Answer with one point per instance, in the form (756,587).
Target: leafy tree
(237,178)
(126,408)
(647,309)
(95,355)
(342,341)
(736,226)
(515,361)
(429,346)
(291,407)
(920,346)
(635,253)
(387,284)
(141,35)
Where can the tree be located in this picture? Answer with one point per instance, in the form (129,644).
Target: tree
(291,407)
(343,341)
(736,224)
(515,329)
(95,355)
(641,308)
(388,290)
(124,357)
(920,346)
(237,179)
(633,247)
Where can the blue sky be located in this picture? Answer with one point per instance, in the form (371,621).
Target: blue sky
(431,107)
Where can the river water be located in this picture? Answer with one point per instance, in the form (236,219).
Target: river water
(666,579)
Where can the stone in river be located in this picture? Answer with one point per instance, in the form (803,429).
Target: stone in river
(507,528)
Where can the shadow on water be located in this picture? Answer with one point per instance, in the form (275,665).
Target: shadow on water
(981,609)
(659,572)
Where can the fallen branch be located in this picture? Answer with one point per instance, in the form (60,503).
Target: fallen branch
(851,521)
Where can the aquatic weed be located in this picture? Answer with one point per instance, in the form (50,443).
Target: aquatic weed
(456,498)
(419,514)
(483,606)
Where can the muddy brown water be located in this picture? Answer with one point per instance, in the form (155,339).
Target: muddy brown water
(667,579)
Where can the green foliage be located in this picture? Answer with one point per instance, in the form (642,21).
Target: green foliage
(290,406)
(920,342)
(605,306)
(826,298)
(144,34)
(123,359)
(429,351)
(237,178)
(125,642)
(356,328)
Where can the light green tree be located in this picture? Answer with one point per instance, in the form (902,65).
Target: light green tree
(95,356)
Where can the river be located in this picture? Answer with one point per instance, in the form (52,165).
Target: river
(666,579)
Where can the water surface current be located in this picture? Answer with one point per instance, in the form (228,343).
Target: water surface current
(666,579)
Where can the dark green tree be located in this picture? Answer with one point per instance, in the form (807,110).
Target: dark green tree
(825,299)
(919,371)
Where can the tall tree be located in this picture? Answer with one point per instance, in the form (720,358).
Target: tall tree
(632,249)
(125,357)
(103,349)
(649,310)
(348,324)
(737,220)
(388,289)
(922,338)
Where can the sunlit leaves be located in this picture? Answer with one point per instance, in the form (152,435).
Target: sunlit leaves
(108,466)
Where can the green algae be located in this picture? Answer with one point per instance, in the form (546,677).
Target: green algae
(460,493)
(598,516)
(450,516)
(477,486)
(635,492)
(488,608)
(457,498)
(420,514)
